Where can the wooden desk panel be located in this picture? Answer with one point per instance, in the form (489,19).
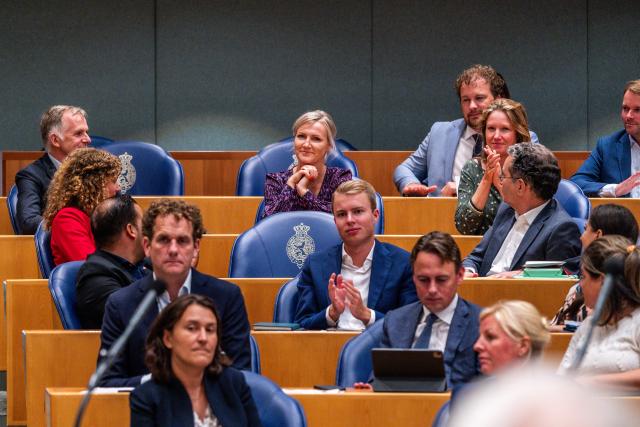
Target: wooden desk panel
(18,261)
(407,242)
(419,215)
(213,173)
(57,358)
(300,358)
(546,294)
(29,306)
(259,296)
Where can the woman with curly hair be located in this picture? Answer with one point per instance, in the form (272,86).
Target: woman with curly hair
(86,178)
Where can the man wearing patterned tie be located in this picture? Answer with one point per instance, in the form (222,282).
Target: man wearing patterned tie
(434,167)
(441,319)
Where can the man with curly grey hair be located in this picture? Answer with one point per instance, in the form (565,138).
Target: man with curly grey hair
(530,224)
(63,129)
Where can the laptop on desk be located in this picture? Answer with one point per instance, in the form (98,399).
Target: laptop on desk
(408,370)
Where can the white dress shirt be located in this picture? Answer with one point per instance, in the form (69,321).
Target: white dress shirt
(609,190)
(504,257)
(464,152)
(163,299)
(360,276)
(440,328)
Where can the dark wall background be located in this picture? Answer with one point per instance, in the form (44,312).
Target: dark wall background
(233,75)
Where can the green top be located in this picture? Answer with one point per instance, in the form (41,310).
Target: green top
(468,219)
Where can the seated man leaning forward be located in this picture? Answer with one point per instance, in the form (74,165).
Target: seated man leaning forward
(116,224)
(352,285)
(613,168)
(530,225)
(172,230)
(441,320)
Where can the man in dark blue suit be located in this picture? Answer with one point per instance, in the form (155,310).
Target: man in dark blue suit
(63,128)
(613,168)
(352,285)
(172,230)
(440,320)
(530,225)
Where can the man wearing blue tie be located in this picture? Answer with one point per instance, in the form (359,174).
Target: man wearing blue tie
(440,320)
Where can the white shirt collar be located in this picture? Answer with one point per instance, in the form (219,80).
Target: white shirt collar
(445,315)
(632,141)
(531,215)
(346,258)
(163,299)
(57,162)
(469,132)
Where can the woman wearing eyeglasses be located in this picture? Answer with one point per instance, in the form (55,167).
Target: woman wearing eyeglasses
(504,123)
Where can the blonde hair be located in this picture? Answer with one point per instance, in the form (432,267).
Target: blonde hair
(520,319)
(357,186)
(80,182)
(516,114)
(317,116)
(633,86)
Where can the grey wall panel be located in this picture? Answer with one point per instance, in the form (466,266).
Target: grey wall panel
(235,75)
(614,59)
(420,47)
(95,54)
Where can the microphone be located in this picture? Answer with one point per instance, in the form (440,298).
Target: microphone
(109,356)
(613,268)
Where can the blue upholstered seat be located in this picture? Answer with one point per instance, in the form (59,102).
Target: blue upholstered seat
(62,285)
(275,158)
(12,207)
(573,200)
(354,362)
(284,310)
(43,251)
(275,408)
(147,170)
(278,245)
(255,355)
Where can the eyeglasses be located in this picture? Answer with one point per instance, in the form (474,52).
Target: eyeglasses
(501,177)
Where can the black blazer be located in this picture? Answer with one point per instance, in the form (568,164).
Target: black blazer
(168,405)
(101,275)
(33,182)
(129,366)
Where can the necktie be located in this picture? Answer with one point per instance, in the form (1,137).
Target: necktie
(425,336)
(477,149)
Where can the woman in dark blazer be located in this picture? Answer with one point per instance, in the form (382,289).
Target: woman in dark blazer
(191,383)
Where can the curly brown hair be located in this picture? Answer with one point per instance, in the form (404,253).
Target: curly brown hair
(158,356)
(179,209)
(80,182)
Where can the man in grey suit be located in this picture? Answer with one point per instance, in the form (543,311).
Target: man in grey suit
(63,128)
(530,225)
(434,166)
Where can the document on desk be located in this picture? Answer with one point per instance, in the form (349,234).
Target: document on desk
(110,390)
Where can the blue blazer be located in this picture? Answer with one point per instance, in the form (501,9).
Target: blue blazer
(391,285)
(432,162)
(129,366)
(553,236)
(168,405)
(609,163)
(460,360)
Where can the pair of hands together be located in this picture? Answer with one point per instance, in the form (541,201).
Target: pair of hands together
(301,180)
(343,294)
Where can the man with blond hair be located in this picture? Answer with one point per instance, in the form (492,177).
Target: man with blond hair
(355,283)
(63,129)
(613,168)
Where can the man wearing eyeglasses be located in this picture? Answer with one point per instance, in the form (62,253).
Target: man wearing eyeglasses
(530,225)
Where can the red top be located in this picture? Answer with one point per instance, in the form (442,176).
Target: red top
(71,237)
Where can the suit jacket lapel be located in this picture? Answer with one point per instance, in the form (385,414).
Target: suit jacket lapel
(380,268)
(456,330)
(454,133)
(405,330)
(333,264)
(532,233)
(624,156)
